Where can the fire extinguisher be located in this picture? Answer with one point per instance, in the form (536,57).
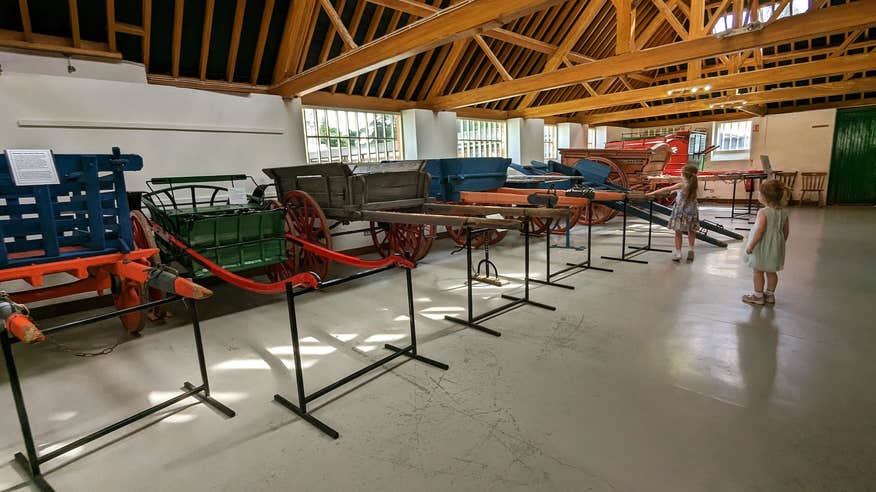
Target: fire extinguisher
(16,319)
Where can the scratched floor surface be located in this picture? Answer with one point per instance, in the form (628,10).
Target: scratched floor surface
(651,378)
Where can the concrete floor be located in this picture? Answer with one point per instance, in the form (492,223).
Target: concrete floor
(651,378)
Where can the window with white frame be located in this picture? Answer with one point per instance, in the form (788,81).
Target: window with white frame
(550,142)
(591,138)
(338,135)
(764,13)
(480,138)
(732,136)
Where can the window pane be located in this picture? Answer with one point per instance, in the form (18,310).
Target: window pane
(333,135)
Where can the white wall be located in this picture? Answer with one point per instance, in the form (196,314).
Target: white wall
(256,131)
(525,140)
(18,61)
(606,134)
(793,141)
(428,134)
(571,136)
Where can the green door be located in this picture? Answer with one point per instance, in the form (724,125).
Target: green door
(853,165)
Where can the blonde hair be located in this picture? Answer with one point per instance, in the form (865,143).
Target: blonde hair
(689,172)
(773,191)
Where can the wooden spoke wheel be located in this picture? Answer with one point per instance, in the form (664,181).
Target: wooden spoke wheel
(459,236)
(602,213)
(559,226)
(304,219)
(411,241)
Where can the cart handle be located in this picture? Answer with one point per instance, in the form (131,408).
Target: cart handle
(169,180)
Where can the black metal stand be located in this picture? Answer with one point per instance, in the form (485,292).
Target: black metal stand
(624,256)
(31,463)
(409,351)
(733,215)
(647,247)
(587,264)
(474,321)
(547,262)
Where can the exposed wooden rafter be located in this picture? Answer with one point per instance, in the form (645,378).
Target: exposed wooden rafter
(821,22)
(732,101)
(234,45)
(267,13)
(336,21)
(845,64)
(460,20)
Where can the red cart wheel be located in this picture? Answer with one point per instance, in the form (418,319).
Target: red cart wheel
(126,294)
(411,241)
(602,213)
(459,237)
(559,227)
(144,237)
(304,219)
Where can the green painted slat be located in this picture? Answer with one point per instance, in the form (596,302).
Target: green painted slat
(853,164)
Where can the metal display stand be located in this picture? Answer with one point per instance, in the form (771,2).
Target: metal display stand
(473,321)
(588,263)
(647,247)
(31,463)
(409,351)
(624,256)
(748,212)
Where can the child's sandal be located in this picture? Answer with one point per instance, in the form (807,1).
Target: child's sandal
(753,299)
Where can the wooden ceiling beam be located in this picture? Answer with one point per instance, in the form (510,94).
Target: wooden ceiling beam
(774,95)
(821,22)
(730,115)
(787,73)
(26,27)
(73,9)
(463,19)
(354,28)
(290,51)
(570,39)
(209,85)
(176,44)
(205,38)
(267,13)
(624,26)
(234,44)
(338,24)
(110,23)
(696,28)
(56,44)
(421,9)
(717,14)
(492,57)
(146,41)
(448,66)
(670,17)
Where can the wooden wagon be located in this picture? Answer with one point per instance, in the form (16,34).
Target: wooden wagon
(392,197)
(629,169)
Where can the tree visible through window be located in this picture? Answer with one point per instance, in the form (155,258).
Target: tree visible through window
(336,135)
(550,142)
(733,136)
(480,138)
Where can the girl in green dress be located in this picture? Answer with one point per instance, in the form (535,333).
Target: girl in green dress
(765,252)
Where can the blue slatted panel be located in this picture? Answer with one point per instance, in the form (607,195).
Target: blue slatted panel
(88,210)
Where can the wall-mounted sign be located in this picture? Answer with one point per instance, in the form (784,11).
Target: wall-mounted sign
(31,167)
(237,196)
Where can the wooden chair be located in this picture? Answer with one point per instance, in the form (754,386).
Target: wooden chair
(813,183)
(789,179)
